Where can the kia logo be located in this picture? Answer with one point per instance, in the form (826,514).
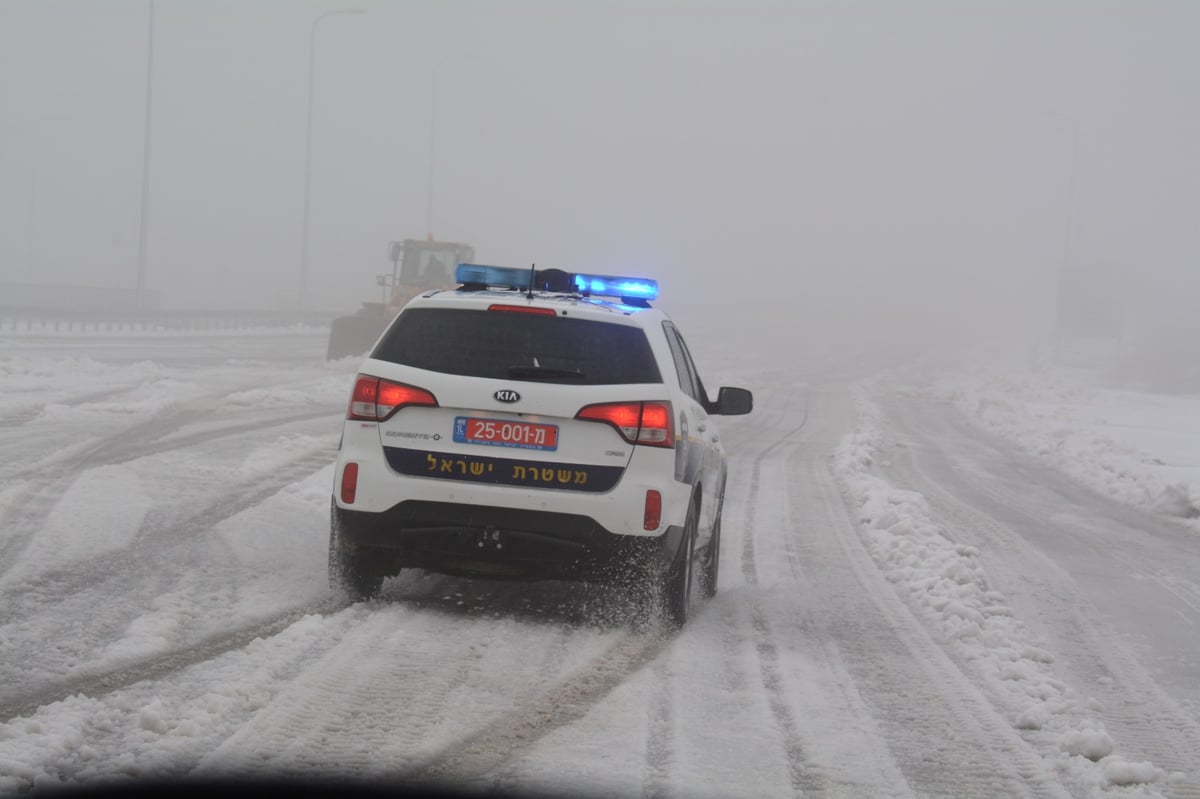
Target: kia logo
(507,395)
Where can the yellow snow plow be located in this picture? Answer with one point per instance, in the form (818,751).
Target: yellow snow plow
(418,265)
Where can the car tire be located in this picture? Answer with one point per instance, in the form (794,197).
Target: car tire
(353,574)
(677,590)
(710,560)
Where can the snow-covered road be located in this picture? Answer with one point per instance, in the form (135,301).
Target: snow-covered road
(909,605)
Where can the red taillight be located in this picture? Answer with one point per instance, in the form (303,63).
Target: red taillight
(374,400)
(362,398)
(521,309)
(638,422)
(349,483)
(395,395)
(653,516)
(656,417)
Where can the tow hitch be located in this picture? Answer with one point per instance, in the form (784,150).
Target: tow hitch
(490,538)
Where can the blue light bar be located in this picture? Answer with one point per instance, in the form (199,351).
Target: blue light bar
(630,288)
(509,276)
(615,286)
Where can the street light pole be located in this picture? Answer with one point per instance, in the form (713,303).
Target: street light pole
(1068,243)
(141,276)
(433,137)
(312,61)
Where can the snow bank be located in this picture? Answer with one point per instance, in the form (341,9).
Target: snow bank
(178,328)
(1136,448)
(945,582)
(32,384)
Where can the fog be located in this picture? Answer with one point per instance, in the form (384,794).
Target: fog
(791,172)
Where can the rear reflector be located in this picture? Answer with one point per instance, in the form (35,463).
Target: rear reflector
(653,516)
(374,399)
(349,483)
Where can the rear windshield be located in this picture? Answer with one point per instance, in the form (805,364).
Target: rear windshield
(519,346)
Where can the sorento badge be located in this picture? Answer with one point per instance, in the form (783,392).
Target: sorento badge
(507,395)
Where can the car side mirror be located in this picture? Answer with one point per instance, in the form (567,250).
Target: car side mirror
(734,401)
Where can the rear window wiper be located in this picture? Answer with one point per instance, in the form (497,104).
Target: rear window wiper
(543,373)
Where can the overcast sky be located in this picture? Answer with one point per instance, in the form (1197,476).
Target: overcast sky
(849,161)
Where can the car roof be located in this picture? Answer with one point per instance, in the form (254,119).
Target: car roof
(595,308)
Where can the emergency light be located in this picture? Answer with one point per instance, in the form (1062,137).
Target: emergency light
(630,288)
(613,286)
(507,276)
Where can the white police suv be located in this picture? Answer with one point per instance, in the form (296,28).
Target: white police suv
(533,425)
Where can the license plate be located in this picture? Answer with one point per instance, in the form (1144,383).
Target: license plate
(500,433)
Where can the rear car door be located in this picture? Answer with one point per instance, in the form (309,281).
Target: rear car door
(698,457)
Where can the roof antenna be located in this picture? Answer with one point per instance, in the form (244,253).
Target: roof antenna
(529,296)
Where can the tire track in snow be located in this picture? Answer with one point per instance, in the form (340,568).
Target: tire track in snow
(131,672)
(137,439)
(659,736)
(749,569)
(1144,721)
(83,595)
(47,484)
(489,748)
(388,683)
(28,415)
(916,699)
(924,727)
(801,628)
(446,658)
(156,547)
(803,779)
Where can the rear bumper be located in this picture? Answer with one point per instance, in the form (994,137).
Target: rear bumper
(618,508)
(506,543)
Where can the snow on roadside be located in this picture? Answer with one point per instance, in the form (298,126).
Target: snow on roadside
(332,389)
(128,329)
(1137,448)
(140,401)
(32,384)
(945,582)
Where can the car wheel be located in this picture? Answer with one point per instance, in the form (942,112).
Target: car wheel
(353,574)
(677,595)
(710,561)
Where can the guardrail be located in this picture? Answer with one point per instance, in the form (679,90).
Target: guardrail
(56,320)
